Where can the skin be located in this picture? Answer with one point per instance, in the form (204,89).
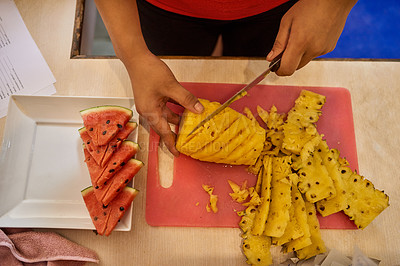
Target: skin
(309,29)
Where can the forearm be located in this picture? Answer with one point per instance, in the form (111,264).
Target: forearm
(121,19)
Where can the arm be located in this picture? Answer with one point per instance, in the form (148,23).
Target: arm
(309,29)
(152,81)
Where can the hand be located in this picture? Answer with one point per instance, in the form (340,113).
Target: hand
(153,86)
(309,29)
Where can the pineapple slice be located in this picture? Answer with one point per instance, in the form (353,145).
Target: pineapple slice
(262,211)
(242,144)
(278,216)
(299,127)
(300,213)
(314,179)
(317,244)
(257,250)
(294,229)
(364,202)
(330,159)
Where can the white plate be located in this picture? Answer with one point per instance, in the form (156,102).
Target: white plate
(42,168)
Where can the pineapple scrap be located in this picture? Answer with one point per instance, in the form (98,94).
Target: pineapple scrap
(240,193)
(330,159)
(212,204)
(278,216)
(298,219)
(317,244)
(299,127)
(261,216)
(365,202)
(257,250)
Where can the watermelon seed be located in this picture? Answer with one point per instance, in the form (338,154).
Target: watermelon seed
(126,181)
(108,122)
(105,206)
(97,187)
(104,132)
(111,170)
(104,213)
(121,208)
(105,183)
(95,218)
(91,129)
(118,190)
(114,163)
(119,220)
(119,125)
(122,164)
(88,142)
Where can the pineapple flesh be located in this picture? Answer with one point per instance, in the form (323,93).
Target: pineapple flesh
(229,138)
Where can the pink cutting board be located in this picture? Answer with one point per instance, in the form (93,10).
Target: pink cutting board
(184,202)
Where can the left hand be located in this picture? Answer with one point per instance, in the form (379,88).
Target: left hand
(309,29)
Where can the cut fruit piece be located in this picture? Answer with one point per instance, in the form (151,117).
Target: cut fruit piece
(125,152)
(101,154)
(117,183)
(365,202)
(230,137)
(99,175)
(299,127)
(104,122)
(105,218)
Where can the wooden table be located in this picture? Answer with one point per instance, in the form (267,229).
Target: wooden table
(375,91)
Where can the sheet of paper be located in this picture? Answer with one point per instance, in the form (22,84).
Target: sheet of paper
(23,70)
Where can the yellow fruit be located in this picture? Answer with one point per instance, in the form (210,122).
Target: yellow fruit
(230,137)
(364,201)
(299,127)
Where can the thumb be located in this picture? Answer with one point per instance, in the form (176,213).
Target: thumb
(186,99)
(281,39)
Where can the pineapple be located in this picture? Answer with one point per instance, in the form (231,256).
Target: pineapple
(278,216)
(330,159)
(294,229)
(300,213)
(317,244)
(257,250)
(364,202)
(299,127)
(314,179)
(229,137)
(262,210)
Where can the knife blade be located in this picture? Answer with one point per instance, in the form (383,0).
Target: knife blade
(273,67)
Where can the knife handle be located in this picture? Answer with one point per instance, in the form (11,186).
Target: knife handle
(278,64)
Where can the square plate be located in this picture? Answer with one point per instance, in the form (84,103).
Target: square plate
(42,168)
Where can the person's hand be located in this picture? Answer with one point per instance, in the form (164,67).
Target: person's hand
(153,86)
(309,29)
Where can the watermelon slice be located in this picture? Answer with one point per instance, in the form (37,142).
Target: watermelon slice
(125,152)
(117,183)
(101,154)
(99,175)
(105,218)
(104,122)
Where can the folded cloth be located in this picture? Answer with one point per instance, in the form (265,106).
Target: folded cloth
(23,247)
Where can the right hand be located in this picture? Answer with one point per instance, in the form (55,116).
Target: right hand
(153,86)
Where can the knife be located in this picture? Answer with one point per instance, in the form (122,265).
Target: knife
(273,67)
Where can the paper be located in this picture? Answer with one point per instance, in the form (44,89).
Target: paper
(23,70)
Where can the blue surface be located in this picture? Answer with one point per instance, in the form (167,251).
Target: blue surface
(372,30)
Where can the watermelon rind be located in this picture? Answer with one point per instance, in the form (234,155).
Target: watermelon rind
(86,190)
(106,107)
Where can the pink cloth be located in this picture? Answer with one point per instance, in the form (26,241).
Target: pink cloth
(25,247)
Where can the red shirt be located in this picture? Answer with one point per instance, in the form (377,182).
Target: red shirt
(217,9)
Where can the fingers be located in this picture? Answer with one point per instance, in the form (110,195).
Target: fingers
(281,39)
(186,99)
(163,129)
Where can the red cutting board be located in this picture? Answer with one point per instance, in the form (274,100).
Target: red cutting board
(184,202)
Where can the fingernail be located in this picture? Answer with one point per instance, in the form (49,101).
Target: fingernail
(198,107)
(269,56)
